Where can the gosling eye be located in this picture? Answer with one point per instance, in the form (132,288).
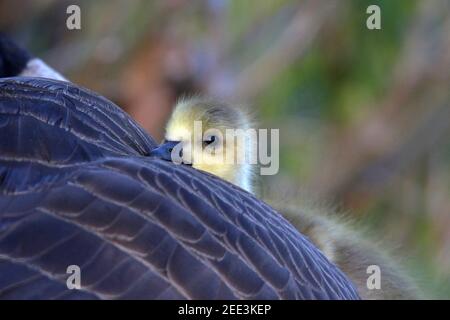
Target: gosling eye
(209,141)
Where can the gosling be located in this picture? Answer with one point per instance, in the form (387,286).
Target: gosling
(337,240)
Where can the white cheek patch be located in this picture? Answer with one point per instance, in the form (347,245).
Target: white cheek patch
(38,68)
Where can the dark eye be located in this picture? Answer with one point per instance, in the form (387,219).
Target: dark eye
(209,141)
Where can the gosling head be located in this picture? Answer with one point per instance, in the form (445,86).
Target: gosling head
(211,136)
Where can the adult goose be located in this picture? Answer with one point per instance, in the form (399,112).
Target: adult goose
(78,187)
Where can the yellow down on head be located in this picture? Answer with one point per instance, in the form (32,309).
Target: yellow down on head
(202,125)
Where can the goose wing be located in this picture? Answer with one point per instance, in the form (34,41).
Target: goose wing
(77,188)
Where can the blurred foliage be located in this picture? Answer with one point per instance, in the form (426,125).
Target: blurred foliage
(360,111)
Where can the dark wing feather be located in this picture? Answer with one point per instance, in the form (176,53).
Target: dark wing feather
(76,188)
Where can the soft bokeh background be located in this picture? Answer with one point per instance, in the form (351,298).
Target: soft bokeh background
(364,116)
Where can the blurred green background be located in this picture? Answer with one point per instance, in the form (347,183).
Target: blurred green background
(364,115)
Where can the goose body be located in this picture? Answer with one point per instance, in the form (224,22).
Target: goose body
(78,187)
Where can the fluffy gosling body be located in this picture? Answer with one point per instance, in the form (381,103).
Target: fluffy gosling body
(353,254)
